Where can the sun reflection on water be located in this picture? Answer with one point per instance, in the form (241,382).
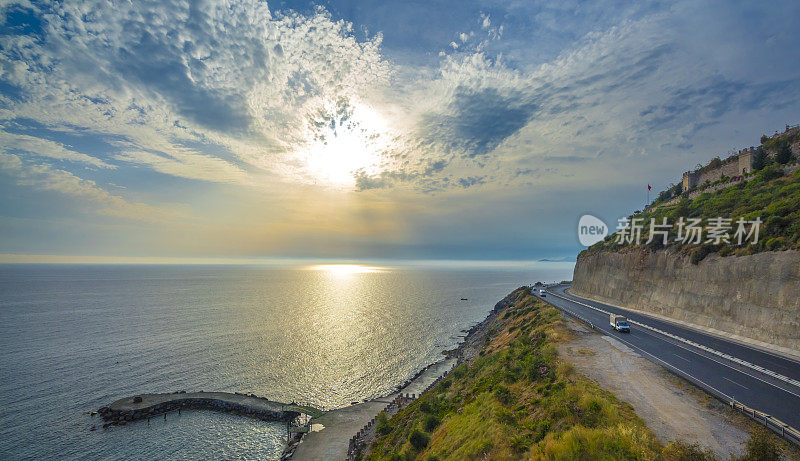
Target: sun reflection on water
(346,269)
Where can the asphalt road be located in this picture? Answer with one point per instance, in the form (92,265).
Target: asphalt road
(754,389)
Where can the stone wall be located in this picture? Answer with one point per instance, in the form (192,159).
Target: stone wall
(756,296)
(729,168)
(120,417)
(787,170)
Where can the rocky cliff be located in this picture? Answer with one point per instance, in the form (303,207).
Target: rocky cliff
(755,296)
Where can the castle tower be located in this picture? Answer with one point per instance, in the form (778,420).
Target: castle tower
(689,180)
(746,160)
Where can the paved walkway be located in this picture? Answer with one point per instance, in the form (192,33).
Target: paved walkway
(331,442)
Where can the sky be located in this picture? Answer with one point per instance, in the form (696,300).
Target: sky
(474,130)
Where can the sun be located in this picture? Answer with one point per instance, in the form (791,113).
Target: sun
(346,142)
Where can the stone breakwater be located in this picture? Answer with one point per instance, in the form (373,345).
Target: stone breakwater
(145,406)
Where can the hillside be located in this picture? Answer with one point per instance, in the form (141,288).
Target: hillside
(769,196)
(768,190)
(737,274)
(518,400)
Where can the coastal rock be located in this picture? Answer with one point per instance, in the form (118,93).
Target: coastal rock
(505,302)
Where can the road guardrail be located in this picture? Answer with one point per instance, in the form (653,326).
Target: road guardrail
(779,427)
(744,363)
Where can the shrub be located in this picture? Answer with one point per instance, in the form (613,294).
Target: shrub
(418,439)
(700,253)
(771,172)
(383,426)
(520,443)
(425,406)
(761,447)
(591,416)
(503,395)
(775,244)
(430,423)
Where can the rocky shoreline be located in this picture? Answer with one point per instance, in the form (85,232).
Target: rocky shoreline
(465,352)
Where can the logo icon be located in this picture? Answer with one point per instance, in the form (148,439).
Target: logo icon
(591,230)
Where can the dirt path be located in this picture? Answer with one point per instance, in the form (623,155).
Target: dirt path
(670,407)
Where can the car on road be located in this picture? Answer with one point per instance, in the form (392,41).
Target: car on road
(620,323)
(542,293)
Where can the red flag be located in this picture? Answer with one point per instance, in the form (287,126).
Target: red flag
(648,187)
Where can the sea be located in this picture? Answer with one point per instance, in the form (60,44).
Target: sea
(74,338)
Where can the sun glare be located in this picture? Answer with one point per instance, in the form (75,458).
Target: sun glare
(346,145)
(346,269)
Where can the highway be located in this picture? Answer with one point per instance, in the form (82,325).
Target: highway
(778,397)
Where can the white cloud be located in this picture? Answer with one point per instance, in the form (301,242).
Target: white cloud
(10,142)
(640,89)
(187,163)
(100,201)
(160,75)
(252,86)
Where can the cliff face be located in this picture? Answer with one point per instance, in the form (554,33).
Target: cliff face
(755,296)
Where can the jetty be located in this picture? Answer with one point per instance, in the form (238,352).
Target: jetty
(145,406)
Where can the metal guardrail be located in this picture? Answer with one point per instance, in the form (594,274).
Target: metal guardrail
(771,422)
(788,433)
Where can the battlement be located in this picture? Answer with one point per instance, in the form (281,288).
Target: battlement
(737,164)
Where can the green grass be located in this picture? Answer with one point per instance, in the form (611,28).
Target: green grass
(517,400)
(770,196)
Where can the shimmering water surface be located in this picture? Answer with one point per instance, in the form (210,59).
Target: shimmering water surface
(76,337)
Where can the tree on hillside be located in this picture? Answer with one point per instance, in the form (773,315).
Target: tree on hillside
(784,154)
(764,138)
(759,159)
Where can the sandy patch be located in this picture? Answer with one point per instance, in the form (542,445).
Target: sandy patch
(667,407)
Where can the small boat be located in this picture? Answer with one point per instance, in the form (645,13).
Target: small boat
(464,299)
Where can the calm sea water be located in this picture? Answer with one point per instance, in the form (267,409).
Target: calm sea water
(77,337)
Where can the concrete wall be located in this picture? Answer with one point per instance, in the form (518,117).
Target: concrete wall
(756,296)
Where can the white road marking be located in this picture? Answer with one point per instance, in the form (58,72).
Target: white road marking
(734,382)
(681,357)
(689,351)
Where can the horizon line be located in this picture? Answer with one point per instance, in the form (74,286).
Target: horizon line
(11,258)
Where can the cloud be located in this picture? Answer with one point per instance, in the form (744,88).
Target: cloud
(43,177)
(477,120)
(161,74)
(11,142)
(188,163)
(248,87)
(240,94)
(471,181)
